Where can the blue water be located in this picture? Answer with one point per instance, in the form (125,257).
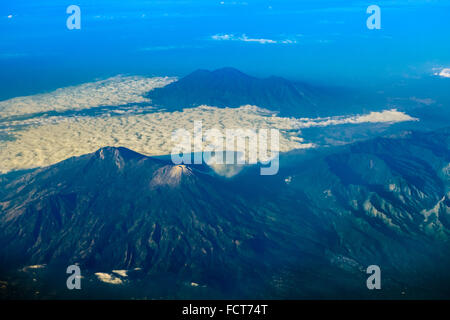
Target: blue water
(333,45)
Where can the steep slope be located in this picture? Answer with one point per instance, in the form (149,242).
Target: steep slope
(310,231)
(116,209)
(229,87)
(384,201)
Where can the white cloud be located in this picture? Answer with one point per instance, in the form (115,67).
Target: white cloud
(245,38)
(386,116)
(425,101)
(49,140)
(260,40)
(42,141)
(108,278)
(119,90)
(223,37)
(445,73)
(122,273)
(234,3)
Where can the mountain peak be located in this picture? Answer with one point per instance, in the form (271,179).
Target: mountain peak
(179,224)
(171,175)
(226,73)
(230,88)
(230,71)
(118,154)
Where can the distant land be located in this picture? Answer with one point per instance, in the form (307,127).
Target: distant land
(229,87)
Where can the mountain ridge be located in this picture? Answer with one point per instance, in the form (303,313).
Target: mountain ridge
(229,87)
(319,220)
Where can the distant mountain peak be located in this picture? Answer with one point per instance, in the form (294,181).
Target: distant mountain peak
(230,71)
(226,73)
(229,87)
(224,70)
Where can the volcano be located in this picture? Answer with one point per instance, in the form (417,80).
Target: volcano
(309,231)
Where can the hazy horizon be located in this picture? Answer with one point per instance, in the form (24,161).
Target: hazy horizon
(323,42)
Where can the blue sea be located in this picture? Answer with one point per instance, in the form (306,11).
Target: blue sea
(325,42)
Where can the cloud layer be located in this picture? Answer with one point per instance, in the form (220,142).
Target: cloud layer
(45,140)
(119,90)
(108,278)
(245,38)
